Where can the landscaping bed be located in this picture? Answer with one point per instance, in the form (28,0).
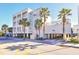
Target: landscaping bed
(71,43)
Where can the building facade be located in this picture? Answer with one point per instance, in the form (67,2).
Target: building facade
(53,29)
(17,29)
(75,30)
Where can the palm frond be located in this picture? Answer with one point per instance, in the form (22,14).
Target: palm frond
(24,22)
(38,23)
(64,13)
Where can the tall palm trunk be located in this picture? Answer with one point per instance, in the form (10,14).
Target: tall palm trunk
(5,33)
(44,27)
(63,30)
(39,32)
(36,33)
(64,27)
(24,33)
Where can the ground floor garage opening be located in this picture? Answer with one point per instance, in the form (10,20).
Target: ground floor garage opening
(56,36)
(20,35)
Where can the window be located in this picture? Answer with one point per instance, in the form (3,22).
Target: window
(30,13)
(14,29)
(77,29)
(14,17)
(19,15)
(24,13)
(53,30)
(34,15)
(14,23)
(19,29)
(18,22)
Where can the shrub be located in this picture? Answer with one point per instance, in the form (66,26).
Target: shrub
(1,34)
(73,40)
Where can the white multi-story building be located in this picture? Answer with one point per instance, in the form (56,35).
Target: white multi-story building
(53,29)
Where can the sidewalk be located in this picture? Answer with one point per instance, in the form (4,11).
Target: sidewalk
(70,45)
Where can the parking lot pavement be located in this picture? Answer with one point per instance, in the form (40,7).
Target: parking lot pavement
(45,47)
(40,49)
(64,51)
(4,51)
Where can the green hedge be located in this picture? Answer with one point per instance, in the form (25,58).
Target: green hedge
(1,34)
(73,40)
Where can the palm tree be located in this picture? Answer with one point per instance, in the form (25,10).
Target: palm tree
(63,15)
(24,24)
(44,13)
(38,25)
(4,28)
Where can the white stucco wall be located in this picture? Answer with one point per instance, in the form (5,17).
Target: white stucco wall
(75,29)
(58,28)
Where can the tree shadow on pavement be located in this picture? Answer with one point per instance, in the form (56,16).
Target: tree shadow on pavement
(22,47)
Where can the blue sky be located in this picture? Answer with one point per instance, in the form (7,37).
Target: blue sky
(8,9)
